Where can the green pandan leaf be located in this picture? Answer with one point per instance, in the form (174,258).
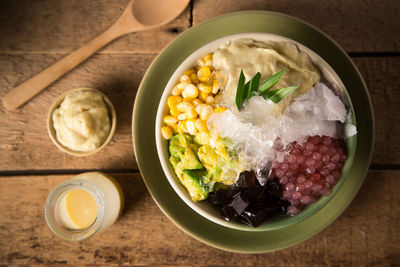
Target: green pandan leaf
(239,90)
(277,95)
(245,91)
(254,85)
(271,81)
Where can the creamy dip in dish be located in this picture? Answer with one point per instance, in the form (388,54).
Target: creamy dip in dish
(82,121)
(266,57)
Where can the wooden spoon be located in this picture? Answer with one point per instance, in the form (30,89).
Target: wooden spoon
(140,15)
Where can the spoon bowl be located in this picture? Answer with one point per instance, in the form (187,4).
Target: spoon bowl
(139,15)
(154,13)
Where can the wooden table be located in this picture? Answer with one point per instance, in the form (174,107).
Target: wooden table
(34,34)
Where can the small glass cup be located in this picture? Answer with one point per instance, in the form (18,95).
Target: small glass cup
(105,191)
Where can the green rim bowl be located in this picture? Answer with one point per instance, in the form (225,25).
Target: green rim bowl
(202,207)
(275,235)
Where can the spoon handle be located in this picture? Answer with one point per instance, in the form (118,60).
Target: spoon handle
(22,93)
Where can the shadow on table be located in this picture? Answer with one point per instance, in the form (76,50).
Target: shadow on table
(373,186)
(134,190)
(121,90)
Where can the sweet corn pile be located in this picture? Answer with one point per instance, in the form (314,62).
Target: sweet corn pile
(194,99)
(198,155)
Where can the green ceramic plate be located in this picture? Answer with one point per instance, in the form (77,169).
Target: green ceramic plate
(144,116)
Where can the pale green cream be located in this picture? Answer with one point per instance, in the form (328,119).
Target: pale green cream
(82,121)
(267,58)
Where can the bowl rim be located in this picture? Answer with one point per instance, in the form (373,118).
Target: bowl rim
(52,131)
(280,221)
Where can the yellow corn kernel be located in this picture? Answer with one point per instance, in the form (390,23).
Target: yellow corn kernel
(208,59)
(184,106)
(197,101)
(210,100)
(191,113)
(174,111)
(204,74)
(170,120)
(189,72)
(206,112)
(182,127)
(182,117)
(194,78)
(202,137)
(205,88)
(182,85)
(191,127)
(221,152)
(166,132)
(203,96)
(174,127)
(219,109)
(176,91)
(201,125)
(217,98)
(190,91)
(215,87)
(173,100)
(202,62)
(200,107)
(185,78)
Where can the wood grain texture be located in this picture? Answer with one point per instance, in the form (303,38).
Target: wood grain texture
(385,95)
(358,26)
(366,234)
(25,144)
(65,25)
(118,75)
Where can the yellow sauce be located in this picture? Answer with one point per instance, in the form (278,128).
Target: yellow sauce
(79,209)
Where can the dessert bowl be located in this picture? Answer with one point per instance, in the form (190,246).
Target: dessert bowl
(144,140)
(203,207)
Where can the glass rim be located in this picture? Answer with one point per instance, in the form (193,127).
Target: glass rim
(51,209)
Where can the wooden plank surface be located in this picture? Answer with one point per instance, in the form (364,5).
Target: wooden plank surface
(365,233)
(381,75)
(357,25)
(118,76)
(66,25)
(61,26)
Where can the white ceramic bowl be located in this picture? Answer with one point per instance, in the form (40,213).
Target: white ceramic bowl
(203,208)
